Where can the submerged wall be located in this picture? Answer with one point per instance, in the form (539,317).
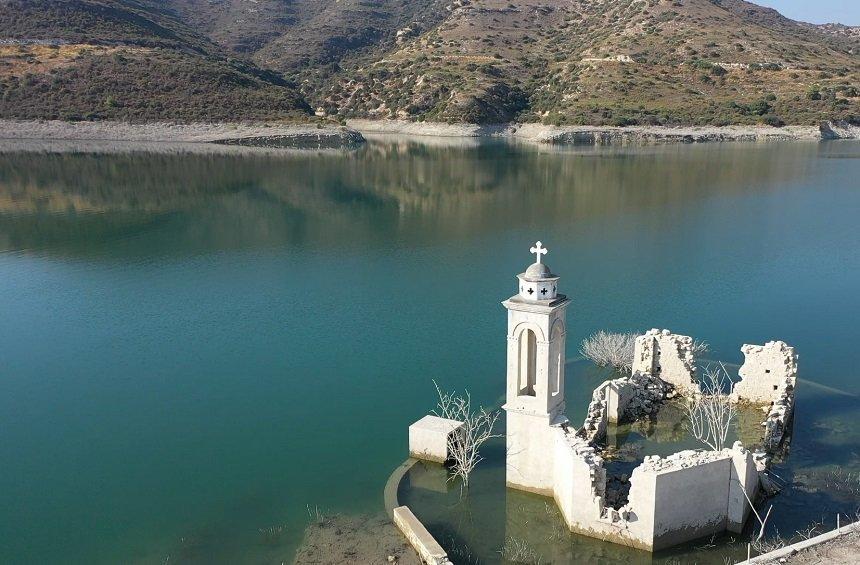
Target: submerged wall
(672,500)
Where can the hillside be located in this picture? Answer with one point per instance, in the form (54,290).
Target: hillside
(611,62)
(616,62)
(128,60)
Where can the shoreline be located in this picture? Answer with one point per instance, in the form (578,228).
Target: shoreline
(608,135)
(208,135)
(240,137)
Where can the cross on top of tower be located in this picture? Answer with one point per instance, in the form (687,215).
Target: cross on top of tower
(538,250)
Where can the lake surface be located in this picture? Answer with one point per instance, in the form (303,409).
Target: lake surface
(197,347)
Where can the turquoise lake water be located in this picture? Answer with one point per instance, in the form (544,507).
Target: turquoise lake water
(197,347)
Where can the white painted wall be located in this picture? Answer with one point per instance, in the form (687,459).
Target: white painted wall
(530,419)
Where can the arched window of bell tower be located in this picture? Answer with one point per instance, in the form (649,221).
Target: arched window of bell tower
(528,363)
(557,331)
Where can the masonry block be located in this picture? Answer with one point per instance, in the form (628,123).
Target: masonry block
(428,438)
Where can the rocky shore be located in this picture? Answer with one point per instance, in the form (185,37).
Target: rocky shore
(370,540)
(206,136)
(289,136)
(607,135)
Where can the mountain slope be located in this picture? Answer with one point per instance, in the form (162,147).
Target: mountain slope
(609,62)
(557,61)
(132,60)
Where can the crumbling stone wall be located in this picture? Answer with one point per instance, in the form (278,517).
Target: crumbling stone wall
(767,370)
(668,356)
(778,418)
(624,399)
(672,500)
(769,377)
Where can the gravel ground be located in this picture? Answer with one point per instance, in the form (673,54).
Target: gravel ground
(844,550)
(368,540)
(170,132)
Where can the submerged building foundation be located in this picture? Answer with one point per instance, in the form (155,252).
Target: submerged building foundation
(671,500)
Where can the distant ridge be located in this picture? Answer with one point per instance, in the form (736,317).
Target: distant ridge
(131,60)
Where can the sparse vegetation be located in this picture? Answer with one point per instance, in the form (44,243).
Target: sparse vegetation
(518,551)
(600,63)
(478,425)
(133,61)
(711,412)
(608,349)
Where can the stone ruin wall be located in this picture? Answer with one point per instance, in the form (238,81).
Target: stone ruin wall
(767,370)
(668,356)
(689,494)
(686,495)
(624,399)
(662,363)
(679,498)
(769,378)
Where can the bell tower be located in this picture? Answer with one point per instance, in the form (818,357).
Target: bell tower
(535,375)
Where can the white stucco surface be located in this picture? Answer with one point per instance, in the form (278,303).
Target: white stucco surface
(534,395)
(427,547)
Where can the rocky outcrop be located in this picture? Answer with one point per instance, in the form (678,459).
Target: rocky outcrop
(335,139)
(839,130)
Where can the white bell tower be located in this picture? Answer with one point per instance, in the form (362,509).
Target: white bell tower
(535,387)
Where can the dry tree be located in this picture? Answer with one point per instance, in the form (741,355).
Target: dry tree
(608,349)
(477,428)
(710,412)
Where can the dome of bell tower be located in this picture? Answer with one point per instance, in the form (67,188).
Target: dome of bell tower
(537,283)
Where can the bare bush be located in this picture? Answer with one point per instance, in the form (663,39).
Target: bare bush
(477,428)
(272,534)
(759,541)
(766,545)
(812,530)
(608,349)
(700,347)
(518,551)
(710,412)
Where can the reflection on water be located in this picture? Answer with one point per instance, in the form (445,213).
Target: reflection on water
(404,190)
(197,348)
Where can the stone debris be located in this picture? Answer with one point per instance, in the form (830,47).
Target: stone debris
(778,418)
(636,396)
(683,459)
(617,491)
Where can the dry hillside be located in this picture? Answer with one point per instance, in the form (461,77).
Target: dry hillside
(484,61)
